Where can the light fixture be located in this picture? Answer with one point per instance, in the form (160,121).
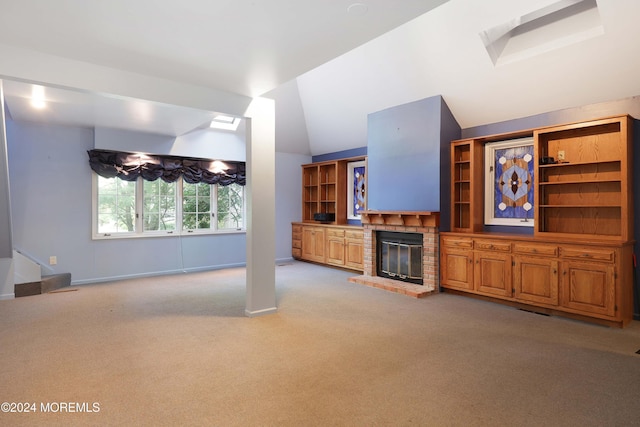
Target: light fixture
(218,166)
(37,97)
(225,122)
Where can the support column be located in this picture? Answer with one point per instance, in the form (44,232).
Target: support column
(261,247)
(6,243)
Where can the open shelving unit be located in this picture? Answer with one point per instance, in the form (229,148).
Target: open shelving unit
(586,193)
(324,191)
(466,185)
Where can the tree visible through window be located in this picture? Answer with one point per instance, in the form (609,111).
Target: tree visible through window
(159,208)
(116,205)
(230,207)
(196,206)
(142,207)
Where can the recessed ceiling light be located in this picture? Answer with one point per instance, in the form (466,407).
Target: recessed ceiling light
(37,97)
(357,9)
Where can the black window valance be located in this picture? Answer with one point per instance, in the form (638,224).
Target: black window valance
(130,166)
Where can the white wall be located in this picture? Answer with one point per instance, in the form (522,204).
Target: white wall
(288,199)
(204,143)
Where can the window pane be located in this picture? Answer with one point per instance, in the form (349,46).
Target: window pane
(159,210)
(116,205)
(230,207)
(196,206)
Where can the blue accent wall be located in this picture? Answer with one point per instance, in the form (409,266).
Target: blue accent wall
(354,152)
(405,155)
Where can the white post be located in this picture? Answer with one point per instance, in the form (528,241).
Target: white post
(6,243)
(261,253)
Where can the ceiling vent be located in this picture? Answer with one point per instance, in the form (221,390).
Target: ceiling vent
(560,24)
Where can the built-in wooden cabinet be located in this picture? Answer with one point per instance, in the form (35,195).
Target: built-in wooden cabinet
(456,262)
(354,249)
(535,273)
(588,190)
(466,185)
(578,262)
(587,280)
(313,243)
(335,247)
(492,267)
(329,240)
(339,246)
(324,191)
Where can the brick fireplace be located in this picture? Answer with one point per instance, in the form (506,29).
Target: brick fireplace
(425,223)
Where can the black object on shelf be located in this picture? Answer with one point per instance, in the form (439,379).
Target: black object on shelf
(324,217)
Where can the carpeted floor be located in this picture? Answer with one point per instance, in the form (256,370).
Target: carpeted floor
(178,350)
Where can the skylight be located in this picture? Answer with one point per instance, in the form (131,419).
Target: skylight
(225,122)
(558,25)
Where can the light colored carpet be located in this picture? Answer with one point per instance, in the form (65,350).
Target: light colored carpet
(178,350)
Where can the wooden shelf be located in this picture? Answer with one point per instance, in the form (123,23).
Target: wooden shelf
(590,194)
(408,219)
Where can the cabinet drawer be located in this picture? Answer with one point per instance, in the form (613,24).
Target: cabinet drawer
(296,228)
(296,243)
(296,235)
(296,252)
(335,232)
(492,245)
(354,234)
(457,242)
(535,249)
(596,254)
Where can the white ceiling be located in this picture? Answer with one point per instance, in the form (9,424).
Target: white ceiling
(327,67)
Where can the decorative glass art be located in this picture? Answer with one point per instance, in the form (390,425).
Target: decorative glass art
(356,190)
(509,173)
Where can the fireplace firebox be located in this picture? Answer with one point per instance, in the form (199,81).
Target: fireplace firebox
(399,256)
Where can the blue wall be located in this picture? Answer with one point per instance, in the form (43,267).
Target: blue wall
(354,152)
(407,148)
(50,183)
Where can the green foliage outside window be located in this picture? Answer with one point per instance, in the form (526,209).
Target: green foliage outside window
(230,207)
(196,206)
(117,211)
(116,205)
(159,209)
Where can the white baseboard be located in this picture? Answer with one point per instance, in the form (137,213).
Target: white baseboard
(155,273)
(262,312)
(7,296)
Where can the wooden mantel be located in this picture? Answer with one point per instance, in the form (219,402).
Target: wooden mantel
(403,218)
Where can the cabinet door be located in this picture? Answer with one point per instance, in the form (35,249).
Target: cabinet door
(535,280)
(354,253)
(313,244)
(335,250)
(589,288)
(492,273)
(456,269)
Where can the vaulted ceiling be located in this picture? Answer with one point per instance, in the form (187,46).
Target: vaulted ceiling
(330,63)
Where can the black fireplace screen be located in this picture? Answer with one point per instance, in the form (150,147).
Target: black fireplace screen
(400,256)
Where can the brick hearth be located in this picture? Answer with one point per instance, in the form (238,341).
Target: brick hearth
(425,223)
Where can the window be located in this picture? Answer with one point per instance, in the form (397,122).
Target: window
(159,208)
(116,206)
(147,208)
(196,206)
(230,202)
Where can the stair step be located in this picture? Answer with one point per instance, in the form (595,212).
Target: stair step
(47,284)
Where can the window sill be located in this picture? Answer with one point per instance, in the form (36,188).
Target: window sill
(112,236)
